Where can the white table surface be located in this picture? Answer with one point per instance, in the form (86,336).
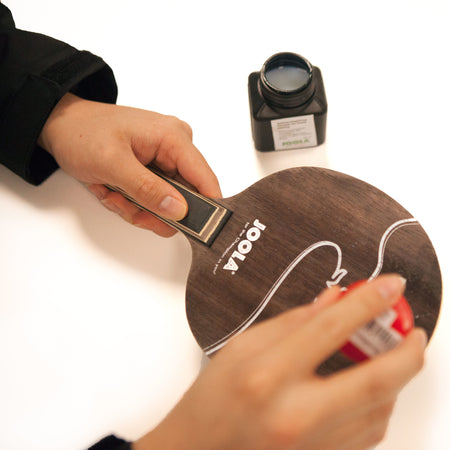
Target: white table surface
(93,334)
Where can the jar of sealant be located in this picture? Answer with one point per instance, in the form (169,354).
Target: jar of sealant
(288,105)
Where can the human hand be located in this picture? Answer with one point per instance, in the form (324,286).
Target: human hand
(100,144)
(261,391)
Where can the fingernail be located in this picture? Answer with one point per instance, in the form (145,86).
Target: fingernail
(391,287)
(111,206)
(172,208)
(97,191)
(423,336)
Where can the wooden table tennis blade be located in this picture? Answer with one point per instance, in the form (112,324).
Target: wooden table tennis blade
(289,236)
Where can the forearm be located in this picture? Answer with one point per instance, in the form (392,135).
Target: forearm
(36,72)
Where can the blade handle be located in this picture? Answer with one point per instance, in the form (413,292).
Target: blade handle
(204,220)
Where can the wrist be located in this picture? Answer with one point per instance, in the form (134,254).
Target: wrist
(55,120)
(162,437)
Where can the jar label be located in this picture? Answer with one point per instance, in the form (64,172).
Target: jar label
(294,132)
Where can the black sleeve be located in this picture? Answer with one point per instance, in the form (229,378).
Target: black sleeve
(35,73)
(111,443)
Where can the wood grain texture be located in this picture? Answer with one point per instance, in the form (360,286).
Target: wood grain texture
(320,226)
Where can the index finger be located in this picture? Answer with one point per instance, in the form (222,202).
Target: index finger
(193,168)
(178,155)
(328,331)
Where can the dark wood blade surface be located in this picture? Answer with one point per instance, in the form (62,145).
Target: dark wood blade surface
(314,227)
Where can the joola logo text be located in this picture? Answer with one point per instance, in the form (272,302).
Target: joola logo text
(245,246)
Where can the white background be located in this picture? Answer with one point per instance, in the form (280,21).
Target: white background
(93,336)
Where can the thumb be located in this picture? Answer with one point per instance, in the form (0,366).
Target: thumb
(152,192)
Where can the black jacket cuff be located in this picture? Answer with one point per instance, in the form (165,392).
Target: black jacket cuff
(111,443)
(36,72)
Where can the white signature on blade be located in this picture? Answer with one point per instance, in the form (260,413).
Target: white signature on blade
(336,277)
